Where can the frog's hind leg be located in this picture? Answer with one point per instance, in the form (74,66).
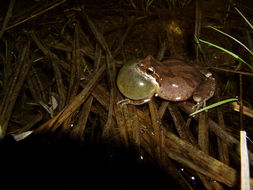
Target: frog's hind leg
(205,90)
(135,102)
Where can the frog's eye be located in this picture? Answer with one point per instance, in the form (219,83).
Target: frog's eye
(149,71)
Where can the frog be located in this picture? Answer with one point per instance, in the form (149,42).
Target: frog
(172,80)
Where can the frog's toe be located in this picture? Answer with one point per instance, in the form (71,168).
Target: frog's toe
(199,105)
(133,102)
(196,107)
(123,102)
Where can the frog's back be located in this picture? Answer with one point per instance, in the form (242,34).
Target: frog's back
(178,80)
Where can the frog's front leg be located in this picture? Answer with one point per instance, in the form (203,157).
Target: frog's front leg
(135,102)
(204,91)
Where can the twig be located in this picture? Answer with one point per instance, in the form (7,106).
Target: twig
(180,124)
(54,59)
(203,135)
(12,93)
(36,86)
(99,37)
(32,122)
(79,99)
(7,17)
(35,15)
(75,74)
(222,145)
(162,108)
(157,129)
(122,40)
(111,71)
(134,122)
(98,57)
(111,77)
(198,15)
(78,131)
(246,110)
(162,48)
(56,121)
(233,71)
(121,122)
(75,71)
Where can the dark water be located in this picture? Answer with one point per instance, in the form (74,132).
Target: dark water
(44,162)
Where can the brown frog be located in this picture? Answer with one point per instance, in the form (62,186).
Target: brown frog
(172,80)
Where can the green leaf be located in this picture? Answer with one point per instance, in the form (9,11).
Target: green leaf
(227,51)
(214,105)
(232,39)
(244,18)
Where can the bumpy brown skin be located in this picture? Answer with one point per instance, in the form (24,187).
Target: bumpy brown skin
(177,79)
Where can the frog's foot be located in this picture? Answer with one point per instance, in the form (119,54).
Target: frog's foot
(133,102)
(196,107)
(199,105)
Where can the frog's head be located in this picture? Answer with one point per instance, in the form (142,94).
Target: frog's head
(146,67)
(137,81)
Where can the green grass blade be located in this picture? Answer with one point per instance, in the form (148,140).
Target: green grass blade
(214,105)
(244,18)
(232,39)
(227,51)
(198,44)
(133,4)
